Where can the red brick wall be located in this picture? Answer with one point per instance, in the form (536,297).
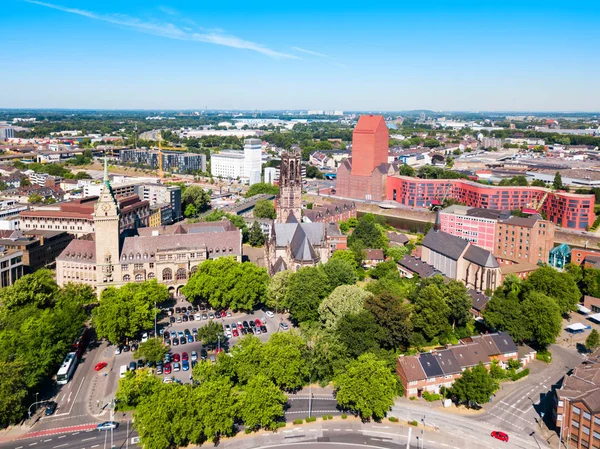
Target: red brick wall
(369,149)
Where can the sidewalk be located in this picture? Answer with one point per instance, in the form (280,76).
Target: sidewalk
(100,389)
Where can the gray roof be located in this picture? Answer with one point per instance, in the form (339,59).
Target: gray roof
(280,265)
(446,244)
(300,246)
(448,362)
(528,222)
(416,265)
(504,342)
(478,299)
(469,355)
(481,257)
(284,232)
(83,251)
(430,365)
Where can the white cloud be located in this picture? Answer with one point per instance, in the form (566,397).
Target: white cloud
(320,55)
(171,31)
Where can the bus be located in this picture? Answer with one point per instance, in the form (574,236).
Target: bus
(81,341)
(66,370)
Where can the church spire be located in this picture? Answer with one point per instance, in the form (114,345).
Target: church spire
(106,180)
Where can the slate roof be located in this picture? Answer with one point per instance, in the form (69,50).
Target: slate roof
(448,362)
(394,237)
(487,344)
(430,365)
(374,254)
(300,246)
(83,251)
(469,355)
(481,257)
(285,231)
(584,384)
(504,343)
(478,299)
(528,222)
(417,266)
(445,244)
(185,228)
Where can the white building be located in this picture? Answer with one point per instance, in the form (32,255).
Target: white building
(252,160)
(227,164)
(270,175)
(6,132)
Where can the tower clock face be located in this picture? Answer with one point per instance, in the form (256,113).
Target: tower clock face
(106,207)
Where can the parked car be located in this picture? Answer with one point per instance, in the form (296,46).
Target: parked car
(197,317)
(159,369)
(144,337)
(140,364)
(179,319)
(173,334)
(185,365)
(168,342)
(168,358)
(228,313)
(194,356)
(176,367)
(107,425)
(263,329)
(172,319)
(194,331)
(126,348)
(500,436)
(182,341)
(190,339)
(204,316)
(132,366)
(50,408)
(180,334)
(184,318)
(283,326)
(251,323)
(269,313)
(184,356)
(191,317)
(258,322)
(167,368)
(244,331)
(211,316)
(100,366)
(235,333)
(175,342)
(177,309)
(186,332)
(257,330)
(176,357)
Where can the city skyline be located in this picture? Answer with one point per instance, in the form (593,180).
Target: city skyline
(144,55)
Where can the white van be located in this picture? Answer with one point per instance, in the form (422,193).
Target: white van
(123,371)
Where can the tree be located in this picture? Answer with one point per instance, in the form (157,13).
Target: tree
(504,313)
(369,232)
(543,317)
(225,282)
(135,386)
(261,403)
(344,300)
(459,302)
(248,357)
(384,269)
(407,170)
(392,314)
(347,255)
(359,333)
(589,279)
(211,334)
(262,188)
(217,406)
(339,272)
(557,184)
(306,289)
(556,285)
(35,198)
(397,253)
(196,196)
(475,385)
(367,387)
(127,311)
(593,340)
(153,350)
(264,209)
(431,313)
(190,211)
(38,288)
(284,360)
(277,291)
(13,392)
(256,237)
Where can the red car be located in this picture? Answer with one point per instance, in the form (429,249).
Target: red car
(100,366)
(258,322)
(167,368)
(500,436)
(184,356)
(176,358)
(235,333)
(218,350)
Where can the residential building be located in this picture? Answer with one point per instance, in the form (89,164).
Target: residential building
(411,266)
(527,240)
(569,210)
(11,266)
(160,194)
(269,175)
(397,239)
(430,371)
(364,175)
(373,257)
(576,410)
(478,302)
(320,159)
(459,259)
(227,164)
(76,216)
(289,200)
(491,142)
(172,161)
(330,212)
(39,248)
(170,254)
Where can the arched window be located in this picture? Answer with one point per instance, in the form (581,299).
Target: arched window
(138,256)
(139,277)
(181,274)
(150,275)
(193,270)
(126,278)
(167,274)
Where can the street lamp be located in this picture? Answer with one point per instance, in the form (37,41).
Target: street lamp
(155,334)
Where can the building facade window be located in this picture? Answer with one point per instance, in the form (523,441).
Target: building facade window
(181,274)
(167,274)
(139,277)
(126,278)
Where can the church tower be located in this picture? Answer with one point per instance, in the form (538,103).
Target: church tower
(289,199)
(106,224)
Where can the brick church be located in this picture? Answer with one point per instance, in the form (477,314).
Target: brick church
(364,174)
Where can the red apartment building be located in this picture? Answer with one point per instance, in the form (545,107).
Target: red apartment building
(364,174)
(568,210)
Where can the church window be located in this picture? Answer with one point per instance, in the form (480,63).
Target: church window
(150,275)
(194,269)
(167,274)
(126,278)
(181,274)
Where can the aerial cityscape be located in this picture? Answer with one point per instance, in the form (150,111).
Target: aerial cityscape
(252,226)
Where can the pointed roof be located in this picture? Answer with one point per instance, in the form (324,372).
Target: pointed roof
(279,265)
(369,124)
(481,257)
(291,218)
(179,230)
(301,248)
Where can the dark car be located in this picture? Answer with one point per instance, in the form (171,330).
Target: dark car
(182,341)
(190,308)
(251,324)
(203,354)
(185,318)
(244,331)
(126,348)
(134,346)
(168,342)
(149,364)
(166,335)
(171,311)
(168,358)
(177,309)
(263,329)
(175,341)
(50,408)
(500,436)
(191,317)
(196,309)
(176,357)
(185,365)
(186,331)
(194,363)
(140,364)
(194,331)
(172,319)
(245,324)
(190,339)
(132,366)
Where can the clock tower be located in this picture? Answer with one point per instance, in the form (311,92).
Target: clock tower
(106,224)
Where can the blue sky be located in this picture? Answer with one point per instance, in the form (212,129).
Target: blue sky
(188,54)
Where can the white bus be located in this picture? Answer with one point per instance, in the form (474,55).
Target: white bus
(66,370)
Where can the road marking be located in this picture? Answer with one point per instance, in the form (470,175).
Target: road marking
(33,444)
(338,430)
(76,394)
(409,435)
(75,433)
(88,439)
(349,430)
(313,430)
(95,445)
(49,439)
(62,436)
(20,447)
(60,445)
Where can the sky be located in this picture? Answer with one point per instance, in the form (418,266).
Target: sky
(332,55)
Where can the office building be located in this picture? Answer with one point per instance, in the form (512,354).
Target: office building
(227,164)
(270,175)
(173,161)
(252,160)
(569,210)
(364,175)
(6,132)
(11,266)
(40,248)
(159,194)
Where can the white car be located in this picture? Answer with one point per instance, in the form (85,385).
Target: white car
(144,337)
(117,350)
(197,317)
(270,314)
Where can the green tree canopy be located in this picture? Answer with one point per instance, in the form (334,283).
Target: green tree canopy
(306,289)
(135,386)
(284,360)
(592,342)
(367,387)
(256,237)
(431,313)
(475,385)
(344,300)
(562,288)
(392,314)
(264,209)
(557,184)
(196,196)
(543,317)
(261,403)
(369,232)
(277,290)
(262,188)
(339,272)
(153,350)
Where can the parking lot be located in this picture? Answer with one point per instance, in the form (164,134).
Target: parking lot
(272,324)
